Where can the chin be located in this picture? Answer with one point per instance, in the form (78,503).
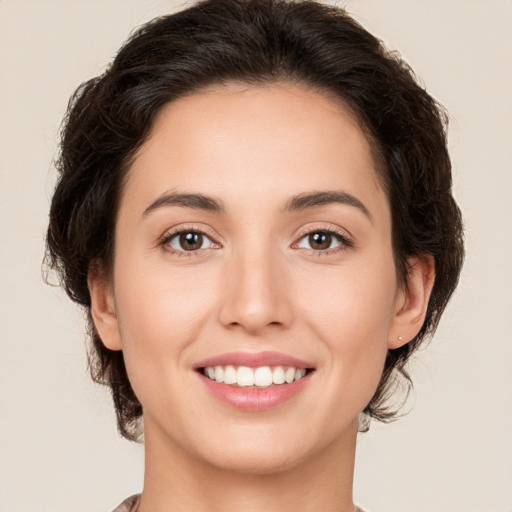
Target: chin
(262,450)
(260,461)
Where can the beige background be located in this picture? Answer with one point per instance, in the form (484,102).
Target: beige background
(59,450)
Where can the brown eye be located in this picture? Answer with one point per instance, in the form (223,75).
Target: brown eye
(189,241)
(321,241)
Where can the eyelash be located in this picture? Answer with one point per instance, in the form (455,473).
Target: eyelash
(345,241)
(166,239)
(342,237)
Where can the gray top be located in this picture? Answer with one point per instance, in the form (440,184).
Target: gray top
(130,505)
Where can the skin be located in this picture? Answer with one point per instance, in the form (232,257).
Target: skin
(254,285)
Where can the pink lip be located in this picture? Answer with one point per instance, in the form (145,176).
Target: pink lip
(253,360)
(254,399)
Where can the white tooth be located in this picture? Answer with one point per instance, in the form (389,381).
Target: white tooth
(278,375)
(210,371)
(298,374)
(245,376)
(289,374)
(229,374)
(263,376)
(219,374)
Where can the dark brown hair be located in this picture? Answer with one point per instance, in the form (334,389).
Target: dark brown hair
(256,42)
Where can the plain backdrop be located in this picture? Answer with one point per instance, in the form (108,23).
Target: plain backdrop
(59,448)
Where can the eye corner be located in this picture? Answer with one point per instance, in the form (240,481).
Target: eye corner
(172,241)
(329,235)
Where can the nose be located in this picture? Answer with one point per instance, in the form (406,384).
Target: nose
(256,293)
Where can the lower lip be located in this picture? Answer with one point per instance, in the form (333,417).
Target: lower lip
(255,399)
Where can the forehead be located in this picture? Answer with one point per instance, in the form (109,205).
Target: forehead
(256,144)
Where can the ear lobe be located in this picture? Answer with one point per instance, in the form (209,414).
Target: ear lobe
(103,310)
(412,301)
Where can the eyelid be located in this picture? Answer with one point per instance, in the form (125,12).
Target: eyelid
(164,240)
(344,237)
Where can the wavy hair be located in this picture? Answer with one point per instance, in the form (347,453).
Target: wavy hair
(256,42)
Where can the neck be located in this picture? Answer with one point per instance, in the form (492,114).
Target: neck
(176,481)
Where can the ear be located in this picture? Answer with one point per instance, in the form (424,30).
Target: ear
(103,310)
(412,301)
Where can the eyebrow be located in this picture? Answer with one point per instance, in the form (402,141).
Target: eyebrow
(315,199)
(300,202)
(195,201)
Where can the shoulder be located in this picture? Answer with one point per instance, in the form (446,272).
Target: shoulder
(130,504)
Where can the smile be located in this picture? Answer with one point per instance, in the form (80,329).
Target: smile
(260,377)
(255,382)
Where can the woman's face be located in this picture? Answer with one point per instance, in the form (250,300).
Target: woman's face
(252,232)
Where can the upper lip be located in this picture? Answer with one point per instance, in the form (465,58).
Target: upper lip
(253,360)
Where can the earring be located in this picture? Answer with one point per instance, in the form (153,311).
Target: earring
(399,338)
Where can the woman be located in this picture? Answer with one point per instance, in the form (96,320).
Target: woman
(255,209)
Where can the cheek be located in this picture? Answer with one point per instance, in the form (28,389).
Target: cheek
(160,302)
(351,312)
(160,314)
(359,301)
